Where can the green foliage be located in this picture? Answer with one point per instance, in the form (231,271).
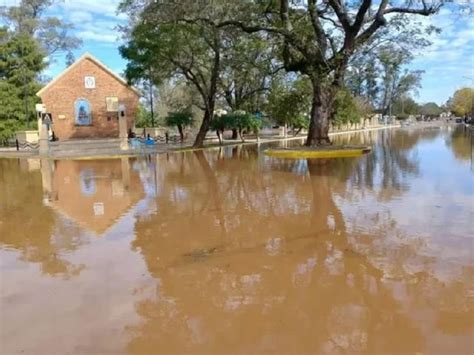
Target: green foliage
(431,109)
(243,122)
(345,109)
(405,106)
(8,129)
(240,121)
(379,76)
(20,62)
(396,82)
(143,117)
(179,119)
(206,43)
(247,66)
(289,104)
(52,34)
(462,102)
(300,122)
(220,123)
(161,45)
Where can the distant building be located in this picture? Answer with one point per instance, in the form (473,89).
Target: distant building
(83,100)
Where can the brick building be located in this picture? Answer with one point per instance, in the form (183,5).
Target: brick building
(83,100)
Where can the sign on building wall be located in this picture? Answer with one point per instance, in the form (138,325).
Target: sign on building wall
(83,115)
(112,103)
(89,82)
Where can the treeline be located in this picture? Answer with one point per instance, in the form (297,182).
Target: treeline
(28,38)
(323,61)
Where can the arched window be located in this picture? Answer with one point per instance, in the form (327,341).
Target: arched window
(83,115)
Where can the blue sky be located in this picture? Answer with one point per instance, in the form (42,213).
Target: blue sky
(448,63)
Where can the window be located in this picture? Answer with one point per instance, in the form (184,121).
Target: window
(83,116)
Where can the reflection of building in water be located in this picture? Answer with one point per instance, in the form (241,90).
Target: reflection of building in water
(93,193)
(29,227)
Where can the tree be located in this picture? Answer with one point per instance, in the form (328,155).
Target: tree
(431,109)
(238,121)
(462,102)
(395,82)
(162,40)
(220,124)
(248,67)
(243,122)
(52,34)
(319,39)
(21,60)
(289,103)
(345,108)
(181,120)
(143,117)
(176,96)
(405,106)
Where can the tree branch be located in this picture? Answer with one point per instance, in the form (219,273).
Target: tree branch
(359,20)
(318,28)
(341,14)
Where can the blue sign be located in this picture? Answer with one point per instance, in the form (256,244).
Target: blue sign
(83,115)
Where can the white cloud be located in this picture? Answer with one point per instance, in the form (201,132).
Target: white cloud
(9,2)
(80,16)
(99,36)
(104,8)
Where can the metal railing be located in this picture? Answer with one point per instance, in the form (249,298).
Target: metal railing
(166,139)
(25,145)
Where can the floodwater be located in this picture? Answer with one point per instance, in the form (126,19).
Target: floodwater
(232,252)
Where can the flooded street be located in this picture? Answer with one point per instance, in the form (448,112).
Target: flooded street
(232,252)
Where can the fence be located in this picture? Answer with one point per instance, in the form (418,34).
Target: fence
(167,139)
(23,145)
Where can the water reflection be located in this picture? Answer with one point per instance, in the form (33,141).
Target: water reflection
(68,279)
(269,249)
(457,142)
(231,251)
(28,226)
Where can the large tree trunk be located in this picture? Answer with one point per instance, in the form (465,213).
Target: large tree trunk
(181,133)
(210,96)
(318,132)
(235,134)
(206,122)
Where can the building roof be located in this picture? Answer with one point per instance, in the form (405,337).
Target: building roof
(97,62)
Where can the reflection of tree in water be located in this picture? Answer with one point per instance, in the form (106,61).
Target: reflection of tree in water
(29,227)
(392,162)
(430,279)
(460,141)
(264,263)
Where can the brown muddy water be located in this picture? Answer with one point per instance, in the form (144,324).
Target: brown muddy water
(232,252)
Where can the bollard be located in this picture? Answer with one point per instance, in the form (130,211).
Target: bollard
(44,140)
(17,145)
(167,137)
(123,128)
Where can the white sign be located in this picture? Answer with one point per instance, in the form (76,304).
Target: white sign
(40,108)
(112,104)
(98,208)
(89,82)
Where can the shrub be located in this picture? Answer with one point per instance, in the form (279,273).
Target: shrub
(181,120)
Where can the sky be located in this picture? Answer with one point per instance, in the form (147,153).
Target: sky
(448,64)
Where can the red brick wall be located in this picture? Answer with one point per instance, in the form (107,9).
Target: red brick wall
(61,96)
